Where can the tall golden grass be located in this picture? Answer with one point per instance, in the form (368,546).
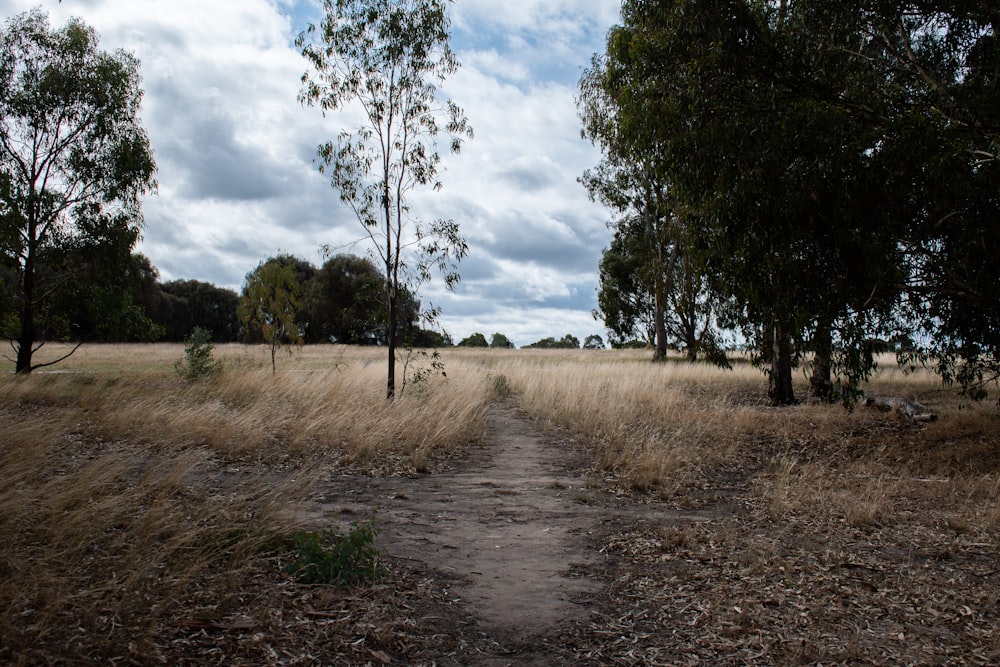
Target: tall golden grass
(125,490)
(120,497)
(667,428)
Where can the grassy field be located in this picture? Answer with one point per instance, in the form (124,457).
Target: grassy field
(129,497)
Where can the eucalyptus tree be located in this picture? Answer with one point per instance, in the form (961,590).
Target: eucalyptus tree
(938,109)
(268,304)
(775,181)
(386,60)
(501,342)
(686,315)
(630,180)
(75,163)
(345,302)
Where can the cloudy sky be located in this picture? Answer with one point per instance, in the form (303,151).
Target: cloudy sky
(238,181)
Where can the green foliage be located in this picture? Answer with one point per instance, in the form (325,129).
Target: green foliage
(389,57)
(333,558)
(836,165)
(74,166)
(345,302)
(593,342)
(500,385)
(567,342)
(269,303)
(181,305)
(198,362)
(501,342)
(475,340)
(419,367)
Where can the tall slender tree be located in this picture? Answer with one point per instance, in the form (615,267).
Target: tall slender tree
(386,59)
(74,165)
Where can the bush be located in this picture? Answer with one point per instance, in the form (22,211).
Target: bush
(501,386)
(198,361)
(337,559)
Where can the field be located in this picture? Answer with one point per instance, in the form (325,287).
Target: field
(146,519)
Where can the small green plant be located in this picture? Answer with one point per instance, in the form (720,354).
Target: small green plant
(334,558)
(501,386)
(420,376)
(198,361)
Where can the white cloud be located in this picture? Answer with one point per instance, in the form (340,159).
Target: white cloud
(236,150)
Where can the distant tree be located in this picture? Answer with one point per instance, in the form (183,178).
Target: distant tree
(569,341)
(388,57)
(74,165)
(344,303)
(268,304)
(186,304)
(593,342)
(475,340)
(683,316)
(424,338)
(499,341)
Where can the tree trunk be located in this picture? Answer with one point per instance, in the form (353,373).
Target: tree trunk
(392,281)
(659,320)
(820,379)
(780,390)
(390,386)
(26,340)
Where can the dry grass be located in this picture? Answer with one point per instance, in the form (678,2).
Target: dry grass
(677,429)
(323,400)
(131,500)
(829,537)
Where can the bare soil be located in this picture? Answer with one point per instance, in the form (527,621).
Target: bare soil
(522,554)
(517,551)
(514,527)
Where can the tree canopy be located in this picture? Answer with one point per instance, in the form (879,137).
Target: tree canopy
(269,303)
(836,166)
(567,342)
(388,58)
(74,165)
(474,340)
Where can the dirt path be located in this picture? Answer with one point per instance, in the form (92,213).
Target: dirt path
(512,525)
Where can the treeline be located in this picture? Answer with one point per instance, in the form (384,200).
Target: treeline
(342,301)
(500,341)
(819,177)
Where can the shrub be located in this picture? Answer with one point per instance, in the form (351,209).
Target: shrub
(198,361)
(501,386)
(337,559)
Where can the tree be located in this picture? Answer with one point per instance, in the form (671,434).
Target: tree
(268,304)
(593,342)
(475,340)
(186,304)
(74,165)
(683,316)
(500,341)
(345,302)
(569,341)
(651,277)
(935,68)
(387,58)
(778,183)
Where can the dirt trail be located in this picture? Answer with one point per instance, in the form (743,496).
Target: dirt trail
(512,525)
